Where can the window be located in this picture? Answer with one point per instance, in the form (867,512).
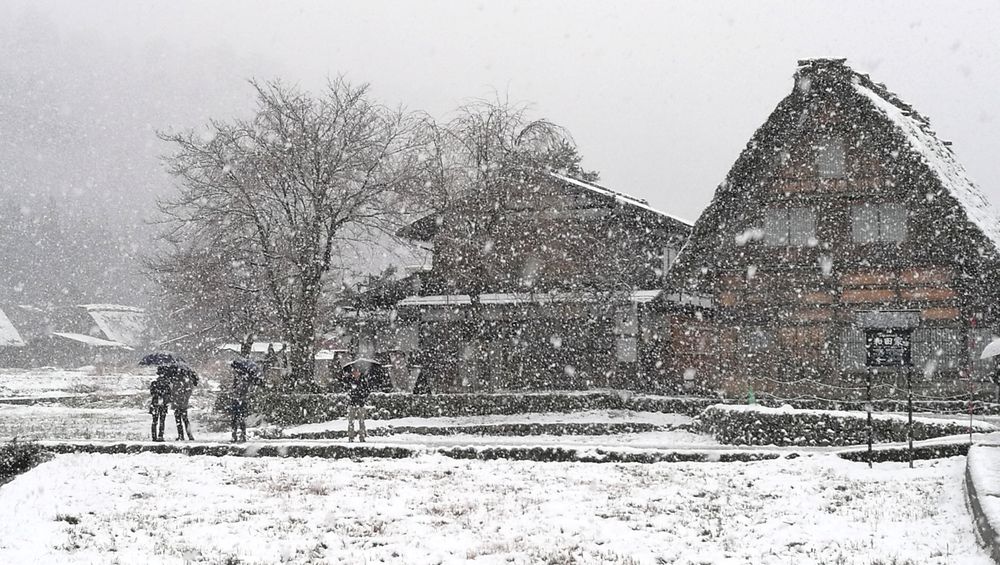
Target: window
(830,158)
(978,339)
(627,321)
(756,342)
(936,349)
(669,256)
(626,349)
(852,349)
(626,328)
(790,226)
(871,223)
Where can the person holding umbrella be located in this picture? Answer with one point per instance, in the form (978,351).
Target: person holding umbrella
(359,387)
(245,374)
(992,349)
(159,389)
(183,379)
(159,392)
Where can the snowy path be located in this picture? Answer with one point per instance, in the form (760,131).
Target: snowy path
(172,509)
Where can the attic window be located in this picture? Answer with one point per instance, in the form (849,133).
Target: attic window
(830,158)
(789,226)
(874,223)
(669,256)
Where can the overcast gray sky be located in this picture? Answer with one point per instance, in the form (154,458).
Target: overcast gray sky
(660,96)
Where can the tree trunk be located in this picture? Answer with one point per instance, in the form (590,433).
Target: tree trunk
(246,346)
(301,334)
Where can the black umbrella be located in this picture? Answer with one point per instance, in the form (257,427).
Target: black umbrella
(244,365)
(161,358)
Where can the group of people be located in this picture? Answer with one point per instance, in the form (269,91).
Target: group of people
(175,383)
(172,387)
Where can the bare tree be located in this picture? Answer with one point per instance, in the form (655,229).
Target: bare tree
(210,289)
(291,187)
(482,161)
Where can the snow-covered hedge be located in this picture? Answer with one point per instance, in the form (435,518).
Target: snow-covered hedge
(294,409)
(17,457)
(900,453)
(979,407)
(758,425)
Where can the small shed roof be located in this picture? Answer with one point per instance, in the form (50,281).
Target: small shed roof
(91,340)
(9,336)
(124,324)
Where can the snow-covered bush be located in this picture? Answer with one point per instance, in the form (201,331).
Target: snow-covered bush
(17,457)
(758,425)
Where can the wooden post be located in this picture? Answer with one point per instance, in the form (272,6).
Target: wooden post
(909,413)
(971,396)
(868,408)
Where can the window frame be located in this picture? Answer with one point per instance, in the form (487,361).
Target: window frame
(931,344)
(875,214)
(831,158)
(790,217)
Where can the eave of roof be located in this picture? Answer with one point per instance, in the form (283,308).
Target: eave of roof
(617,196)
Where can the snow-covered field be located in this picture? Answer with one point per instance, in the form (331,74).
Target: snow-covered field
(50,382)
(176,509)
(77,404)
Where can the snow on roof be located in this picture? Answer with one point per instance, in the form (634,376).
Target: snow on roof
(9,336)
(683,298)
(256,347)
(91,340)
(436,300)
(638,296)
(936,155)
(112,307)
(623,198)
(124,324)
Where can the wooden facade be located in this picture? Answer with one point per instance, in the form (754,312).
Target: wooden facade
(547,286)
(844,201)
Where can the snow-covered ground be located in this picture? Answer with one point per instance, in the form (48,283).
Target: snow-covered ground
(78,404)
(429,509)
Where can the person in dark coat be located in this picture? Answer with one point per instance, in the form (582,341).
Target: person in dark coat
(159,392)
(995,375)
(358,386)
(183,379)
(245,374)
